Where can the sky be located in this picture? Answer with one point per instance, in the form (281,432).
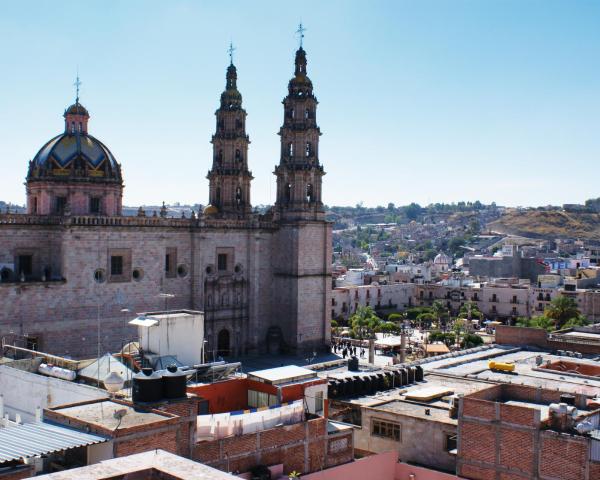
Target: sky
(419,101)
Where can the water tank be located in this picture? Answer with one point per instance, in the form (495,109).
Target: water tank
(353,364)
(501,366)
(419,373)
(174,383)
(411,374)
(404,375)
(567,398)
(147,386)
(58,372)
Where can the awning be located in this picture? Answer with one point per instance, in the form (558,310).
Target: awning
(40,438)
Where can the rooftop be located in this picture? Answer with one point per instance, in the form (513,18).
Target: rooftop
(287,374)
(102,414)
(143,466)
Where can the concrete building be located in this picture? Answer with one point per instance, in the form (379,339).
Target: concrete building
(262,281)
(510,263)
(392,297)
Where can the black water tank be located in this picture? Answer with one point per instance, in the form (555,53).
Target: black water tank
(174,383)
(332,389)
(567,398)
(419,373)
(349,384)
(411,374)
(353,364)
(397,378)
(359,386)
(147,386)
(404,374)
(367,385)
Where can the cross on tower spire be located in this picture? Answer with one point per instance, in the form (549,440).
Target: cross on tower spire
(77,84)
(300,33)
(230,51)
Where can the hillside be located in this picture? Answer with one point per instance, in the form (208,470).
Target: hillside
(548,224)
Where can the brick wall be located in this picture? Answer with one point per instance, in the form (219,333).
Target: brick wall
(563,456)
(303,447)
(18,473)
(506,335)
(507,442)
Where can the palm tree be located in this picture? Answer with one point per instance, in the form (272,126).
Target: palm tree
(439,310)
(561,310)
(365,322)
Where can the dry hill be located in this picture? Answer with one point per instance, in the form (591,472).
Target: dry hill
(548,224)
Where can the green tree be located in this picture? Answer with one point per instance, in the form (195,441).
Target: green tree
(425,319)
(561,310)
(440,311)
(471,340)
(364,323)
(413,211)
(470,310)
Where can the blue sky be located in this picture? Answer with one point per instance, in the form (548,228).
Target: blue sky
(425,101)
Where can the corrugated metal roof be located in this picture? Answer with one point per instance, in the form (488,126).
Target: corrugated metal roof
(39,438)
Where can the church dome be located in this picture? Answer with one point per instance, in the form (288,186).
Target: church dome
(441,258)
(76,109)
(210,210)
(75,155)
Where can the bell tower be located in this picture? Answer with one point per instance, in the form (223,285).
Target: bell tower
(302,253)
(229,178)
(299,173)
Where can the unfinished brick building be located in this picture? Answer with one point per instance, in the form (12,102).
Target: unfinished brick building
(514,432)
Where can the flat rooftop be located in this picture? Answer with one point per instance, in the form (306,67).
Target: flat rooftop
(417,411)
(287,374)
(433,392)
(102,414)
(527,371)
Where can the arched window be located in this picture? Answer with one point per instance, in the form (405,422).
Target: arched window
(290,149)
(238,123)
(209,301)
(238,196)
(238,156)
(220,156)
(80,127)
(307,113)
(288,192)
(218,197)
(224,300)
(308,149)
(72,127)
(309,193)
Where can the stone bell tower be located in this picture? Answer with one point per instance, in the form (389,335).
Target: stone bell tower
(229,178)
(302,255)
(299,173)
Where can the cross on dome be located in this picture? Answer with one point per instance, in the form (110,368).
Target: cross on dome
(300,33)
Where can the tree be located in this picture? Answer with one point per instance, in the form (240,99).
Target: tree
(364,322)
(470,310)
(439,310)
(471,340)
(561,310)
(413,211)
(426,318)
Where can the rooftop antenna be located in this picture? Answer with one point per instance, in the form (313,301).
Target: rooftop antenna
(230,51)
(77,84)
(300,33)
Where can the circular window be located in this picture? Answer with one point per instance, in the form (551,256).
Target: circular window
(238,268)
(209,269)
(99,276)
(137,274)
(182,270)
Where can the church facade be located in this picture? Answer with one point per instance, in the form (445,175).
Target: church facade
(74,268)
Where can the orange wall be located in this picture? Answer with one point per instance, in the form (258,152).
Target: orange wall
(222,397)
(232,395)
